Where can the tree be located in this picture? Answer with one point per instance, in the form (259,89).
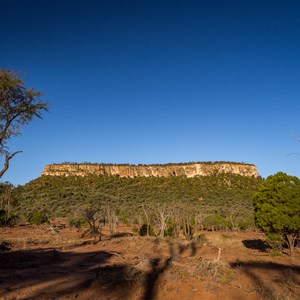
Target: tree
(94,217)
(111,217)
(277,208)
(7,217)
(162,215)
(148,214)
(18,106)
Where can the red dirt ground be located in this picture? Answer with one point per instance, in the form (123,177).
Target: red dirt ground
(58,264)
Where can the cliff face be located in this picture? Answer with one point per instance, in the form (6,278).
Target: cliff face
(168,170)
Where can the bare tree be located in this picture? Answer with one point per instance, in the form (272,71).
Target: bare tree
(111,218)
(188,222)
(5,203)
(94,217)
(176,214)
(199,218)
(147,213)
(18,106)
(162,214)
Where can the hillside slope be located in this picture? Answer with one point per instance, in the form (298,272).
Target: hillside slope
(225,195)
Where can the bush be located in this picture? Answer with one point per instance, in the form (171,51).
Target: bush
(277,209)
(38,217)
(5,246)
(7,219)
(78,223)
(188,231)
(215,222)
(170,231)
(246,224)
(143,230)
(215,270)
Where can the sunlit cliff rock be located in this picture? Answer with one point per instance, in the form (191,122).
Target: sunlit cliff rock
(164,170)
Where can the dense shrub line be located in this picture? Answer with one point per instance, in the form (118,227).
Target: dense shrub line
(209,202)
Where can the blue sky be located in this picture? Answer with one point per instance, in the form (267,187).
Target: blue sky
(157,82)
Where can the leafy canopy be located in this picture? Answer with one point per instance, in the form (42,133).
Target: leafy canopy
(277,207)
(18,106)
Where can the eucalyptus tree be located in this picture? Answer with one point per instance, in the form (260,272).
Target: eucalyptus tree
(18,106)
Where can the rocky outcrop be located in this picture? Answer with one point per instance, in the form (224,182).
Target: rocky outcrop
(166,170)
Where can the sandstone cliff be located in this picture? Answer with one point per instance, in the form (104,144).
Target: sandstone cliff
(167,170)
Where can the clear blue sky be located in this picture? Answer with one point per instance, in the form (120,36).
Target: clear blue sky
(157,81)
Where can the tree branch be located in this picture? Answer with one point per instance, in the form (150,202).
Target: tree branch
(6,164)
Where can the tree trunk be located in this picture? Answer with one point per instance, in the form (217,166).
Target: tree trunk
(290,242)
(6,164)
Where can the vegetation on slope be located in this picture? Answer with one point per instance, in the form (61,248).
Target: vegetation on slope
(216,200)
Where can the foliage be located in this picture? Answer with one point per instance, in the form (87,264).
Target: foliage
(7,219)
(138,199)
(215,222)
(78,222)
(5,187)
(277,209)
(146,230)
(170,231)
(6,202)
(38,217)
(18,106)
(94,216)
(7,215)
(188,231)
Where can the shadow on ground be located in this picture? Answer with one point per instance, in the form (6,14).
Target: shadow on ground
(285,277)
(47,273)
(52,274)
(120,235)
(257,244)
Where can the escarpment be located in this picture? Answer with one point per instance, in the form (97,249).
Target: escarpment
(162,170)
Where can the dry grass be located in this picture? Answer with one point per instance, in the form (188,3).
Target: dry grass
(206,270)
(214,270)
(165,265)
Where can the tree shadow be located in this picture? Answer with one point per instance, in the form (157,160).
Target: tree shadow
(120,235)
(190,246)
(159,265)
(51,273)
(256,244)
(283,275)
(48,273)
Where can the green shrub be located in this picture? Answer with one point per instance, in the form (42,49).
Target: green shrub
(78,223)
(170,231)
(246,223)
(277,209)
(7,219)
(143,230)
(38,217)
(215,222)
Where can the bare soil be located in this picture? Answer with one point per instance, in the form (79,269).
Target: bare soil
(53,262)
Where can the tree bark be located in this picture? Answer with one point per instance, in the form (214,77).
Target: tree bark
(6,163)
(291,241)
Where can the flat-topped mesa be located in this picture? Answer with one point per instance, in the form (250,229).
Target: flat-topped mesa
(161,170)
